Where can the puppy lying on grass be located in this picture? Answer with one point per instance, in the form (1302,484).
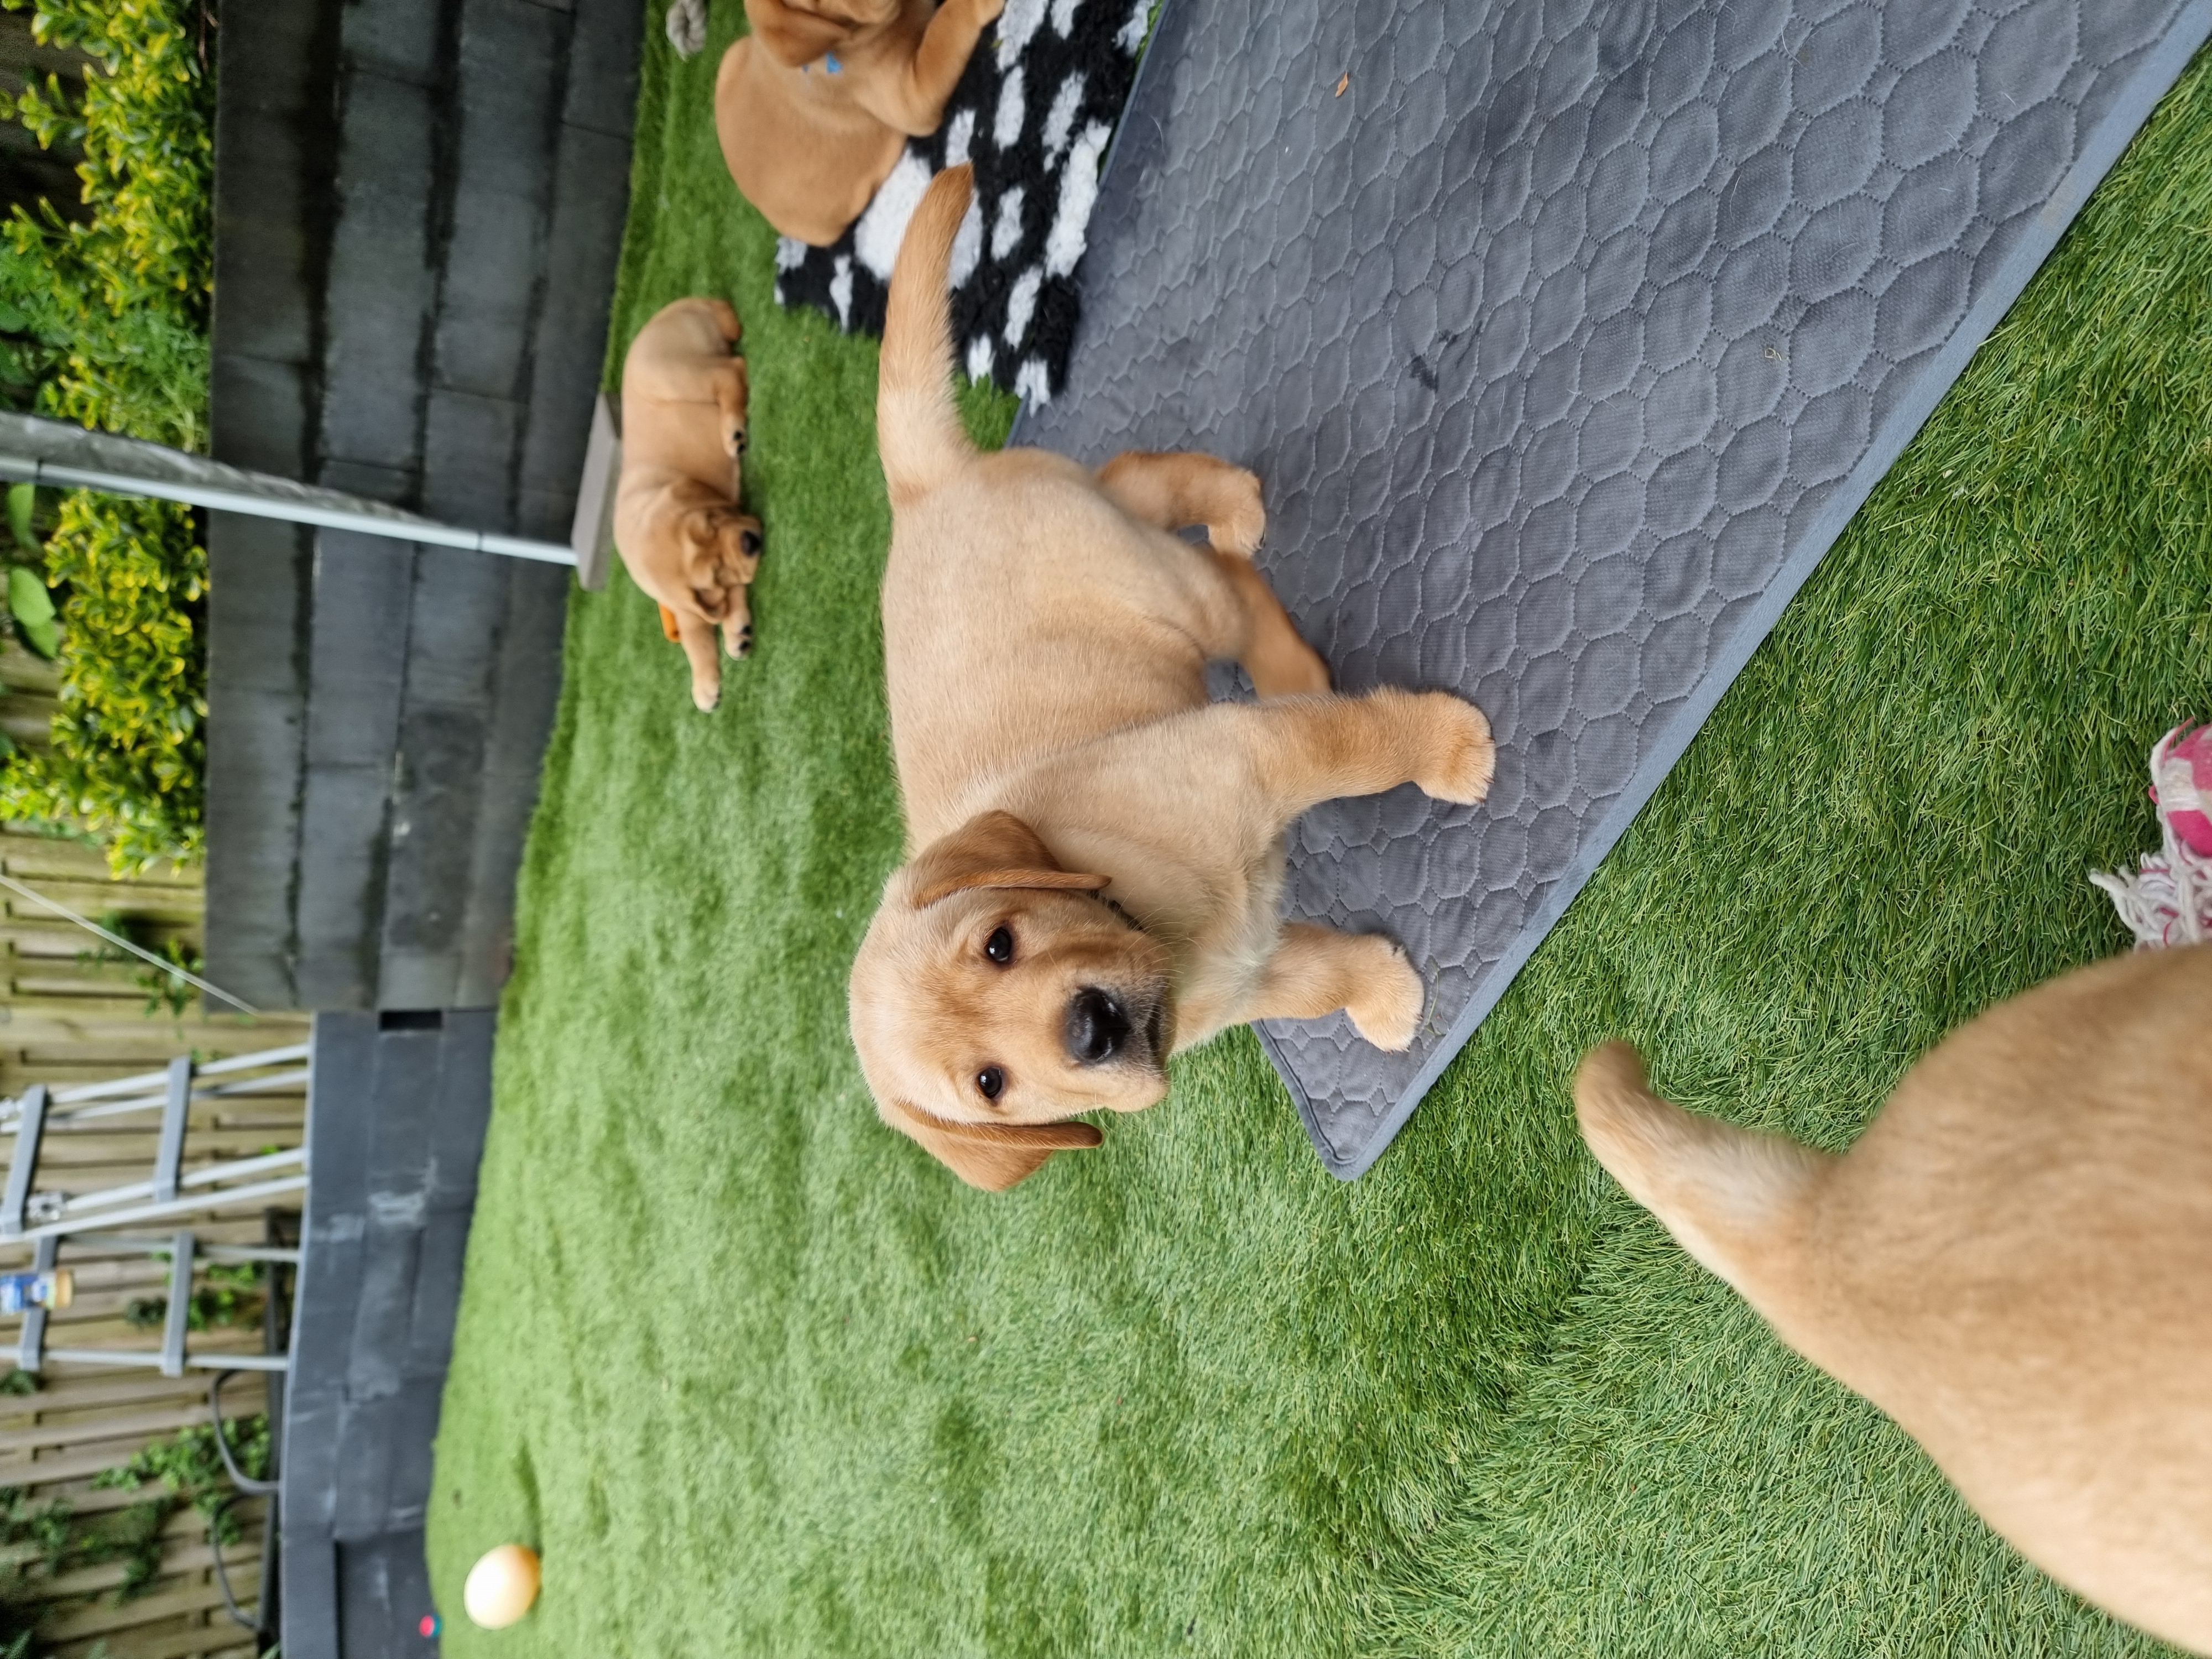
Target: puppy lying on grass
(2014,1262)
(814,106)
(1098,869)
(677,520)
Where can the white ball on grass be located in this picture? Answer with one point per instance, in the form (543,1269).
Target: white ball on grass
(502,1586)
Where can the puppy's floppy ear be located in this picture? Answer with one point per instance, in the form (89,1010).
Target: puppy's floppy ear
(992,849)
(992,1156)
(790,36)
(701,530)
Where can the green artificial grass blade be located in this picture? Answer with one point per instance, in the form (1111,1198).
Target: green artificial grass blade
(759,1377)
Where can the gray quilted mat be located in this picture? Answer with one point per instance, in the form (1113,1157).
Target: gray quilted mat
(1566,336)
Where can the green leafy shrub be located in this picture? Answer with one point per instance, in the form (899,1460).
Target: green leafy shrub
(130,741)
(107,320)
(123,297)
(183,1469)
(233,1296)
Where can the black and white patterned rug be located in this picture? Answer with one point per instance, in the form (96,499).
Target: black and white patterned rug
(1033,114)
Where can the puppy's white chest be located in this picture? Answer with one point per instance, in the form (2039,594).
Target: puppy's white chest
(1229,959)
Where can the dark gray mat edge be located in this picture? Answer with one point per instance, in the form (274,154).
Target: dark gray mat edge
(2188,33)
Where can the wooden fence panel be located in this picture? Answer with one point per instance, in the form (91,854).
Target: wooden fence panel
(67,1017)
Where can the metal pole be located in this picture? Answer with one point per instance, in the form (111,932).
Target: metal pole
(162,963)
(37,450)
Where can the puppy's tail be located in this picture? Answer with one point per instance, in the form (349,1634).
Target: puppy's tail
(918,427)
(1736,1199)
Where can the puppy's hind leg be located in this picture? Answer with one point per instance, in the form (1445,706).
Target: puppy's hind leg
(913,100)
(730,388)
(1172,490)
(1281,664)
(699,375)
(1317,971)
(725,317)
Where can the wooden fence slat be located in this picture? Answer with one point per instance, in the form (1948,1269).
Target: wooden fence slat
(244,1556)
(151,1424)
(79,1466)
(87,1500)
(117,1391)
(186,1527)
(89,1458)
(90,896)
(62,1043)
(53,944)
(100,1618)
(193,1636)
(107,1329)
(59,860)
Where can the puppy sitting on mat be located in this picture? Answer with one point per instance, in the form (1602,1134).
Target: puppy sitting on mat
(2014,1262)
(1100,851)
(815,105)
(676,522)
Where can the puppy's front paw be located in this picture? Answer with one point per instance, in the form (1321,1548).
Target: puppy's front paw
(734,443)
(1387,1011)
(1245,525)
(737,640)
(1460,757)
(706,695)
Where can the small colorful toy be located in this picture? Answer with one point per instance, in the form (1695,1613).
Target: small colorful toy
(19,1292)
(429,1626)
(2168,900)
(502,1586)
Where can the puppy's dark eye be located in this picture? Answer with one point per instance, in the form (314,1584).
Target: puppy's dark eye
(991,1080)
(999,947)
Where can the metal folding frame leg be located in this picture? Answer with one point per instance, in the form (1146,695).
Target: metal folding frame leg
(179,1318)
(30,1132)
(275,1338)
(171,1191)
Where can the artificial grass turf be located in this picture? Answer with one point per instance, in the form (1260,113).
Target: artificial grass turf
(760,1378)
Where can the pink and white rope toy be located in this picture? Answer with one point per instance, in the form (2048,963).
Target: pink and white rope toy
(2168,899)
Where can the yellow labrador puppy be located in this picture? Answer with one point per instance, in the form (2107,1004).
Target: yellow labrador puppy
(2014,1262)
(677,520)
(1098,864)
(814,106)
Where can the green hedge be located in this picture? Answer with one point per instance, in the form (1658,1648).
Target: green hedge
(104,323)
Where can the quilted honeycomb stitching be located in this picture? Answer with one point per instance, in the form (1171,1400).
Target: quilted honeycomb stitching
(1553,337)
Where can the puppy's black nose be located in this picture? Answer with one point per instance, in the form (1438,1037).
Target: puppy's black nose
(1097,1028)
